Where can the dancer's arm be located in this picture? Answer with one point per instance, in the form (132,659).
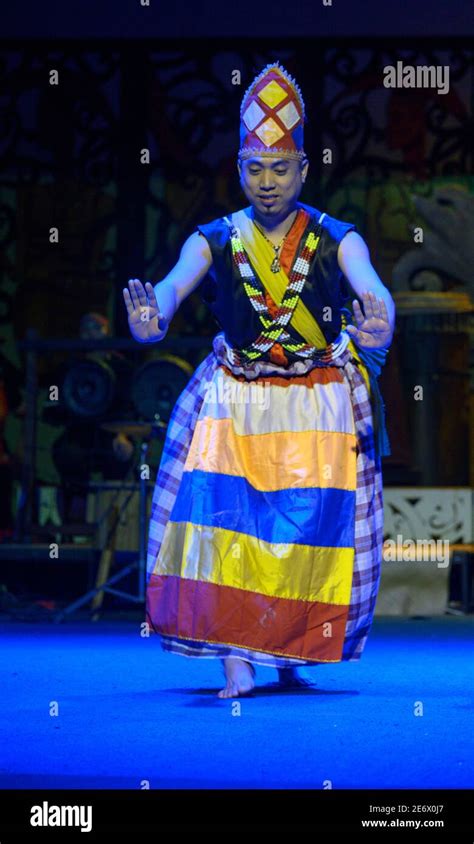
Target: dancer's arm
(374,328)
(151,309)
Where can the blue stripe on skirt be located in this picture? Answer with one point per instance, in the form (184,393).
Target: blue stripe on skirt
(320,517)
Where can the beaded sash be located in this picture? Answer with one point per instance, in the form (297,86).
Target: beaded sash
(274,328)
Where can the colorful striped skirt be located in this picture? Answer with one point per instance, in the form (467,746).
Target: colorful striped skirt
(266,529)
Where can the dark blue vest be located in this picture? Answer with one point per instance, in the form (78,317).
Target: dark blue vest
(222,289)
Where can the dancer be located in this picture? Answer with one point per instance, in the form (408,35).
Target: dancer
(265,538)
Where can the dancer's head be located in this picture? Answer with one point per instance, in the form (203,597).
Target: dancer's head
(272,163)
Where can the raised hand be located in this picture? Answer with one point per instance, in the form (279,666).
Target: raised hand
(147,323)
(372,329)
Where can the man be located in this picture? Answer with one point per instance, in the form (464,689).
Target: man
(266,529)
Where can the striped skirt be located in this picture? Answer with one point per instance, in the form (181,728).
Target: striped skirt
(266,529)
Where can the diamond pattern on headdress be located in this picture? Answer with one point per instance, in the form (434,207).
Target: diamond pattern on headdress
(289,115)
(272,115)
(269,132)
(272,94)
(253,115)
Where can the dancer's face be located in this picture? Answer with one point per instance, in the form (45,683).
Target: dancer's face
(272,185)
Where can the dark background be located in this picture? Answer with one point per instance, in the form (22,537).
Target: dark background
(70,153)
(161,78)
(242,20)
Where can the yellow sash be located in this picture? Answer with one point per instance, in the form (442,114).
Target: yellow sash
(261,254)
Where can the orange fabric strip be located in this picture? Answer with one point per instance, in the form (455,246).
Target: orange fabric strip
(276,353)
(318,375)
(192,609)
(284,459)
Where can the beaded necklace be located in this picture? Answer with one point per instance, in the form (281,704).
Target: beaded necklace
(275,265)
(274,328)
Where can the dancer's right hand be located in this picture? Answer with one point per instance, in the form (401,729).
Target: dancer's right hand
(147,323)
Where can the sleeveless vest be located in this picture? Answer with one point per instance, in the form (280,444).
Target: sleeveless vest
(325,287)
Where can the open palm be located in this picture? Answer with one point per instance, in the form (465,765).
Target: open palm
(145,320)
(372,329)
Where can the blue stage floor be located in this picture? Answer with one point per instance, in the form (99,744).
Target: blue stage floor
(128,712)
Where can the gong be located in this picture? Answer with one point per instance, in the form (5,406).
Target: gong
(158,384)
(88,388)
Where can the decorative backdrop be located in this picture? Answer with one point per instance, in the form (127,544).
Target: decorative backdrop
(70,157)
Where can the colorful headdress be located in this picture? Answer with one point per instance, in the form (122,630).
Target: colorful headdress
(272,116)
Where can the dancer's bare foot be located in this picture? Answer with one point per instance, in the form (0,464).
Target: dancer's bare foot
(240,678)
(294,678)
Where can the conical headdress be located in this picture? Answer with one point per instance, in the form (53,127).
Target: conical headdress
(272,116)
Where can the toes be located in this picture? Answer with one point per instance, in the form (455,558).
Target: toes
(229,691)
(239,684)
(223,692)
(234,690)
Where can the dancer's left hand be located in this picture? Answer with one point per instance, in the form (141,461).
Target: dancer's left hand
(372,329)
